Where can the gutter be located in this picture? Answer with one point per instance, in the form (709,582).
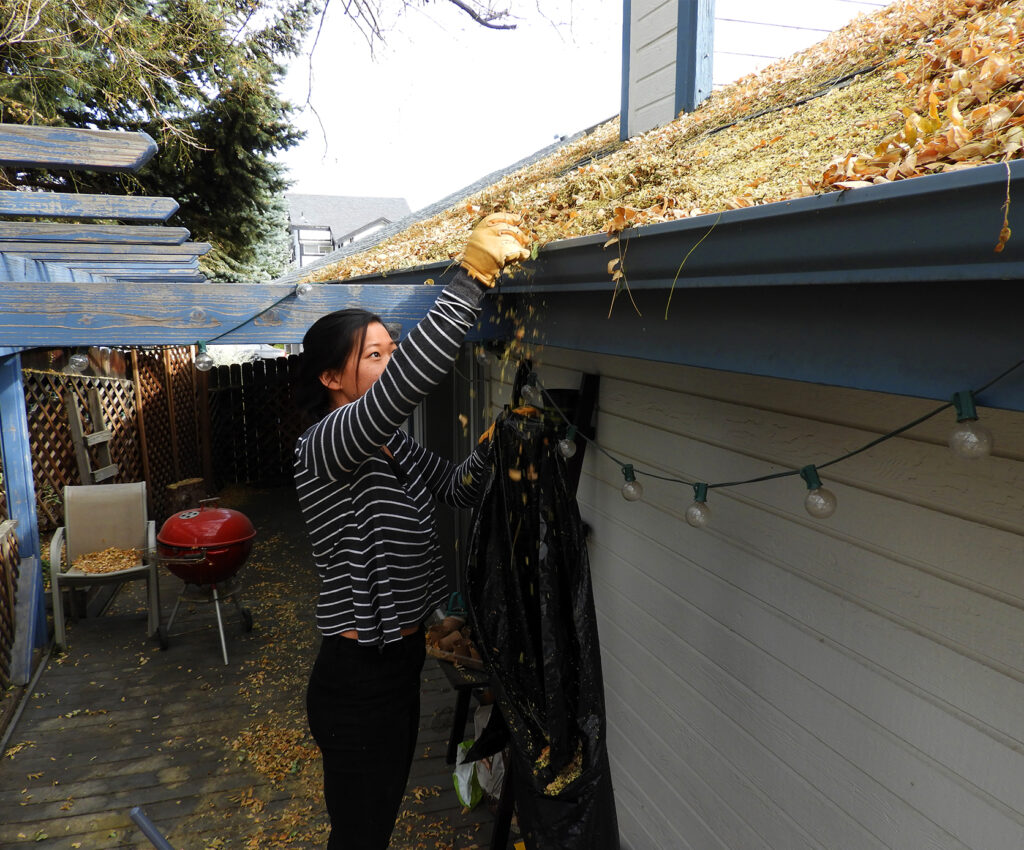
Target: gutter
(894,288)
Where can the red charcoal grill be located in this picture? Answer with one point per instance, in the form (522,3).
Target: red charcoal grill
(205,547)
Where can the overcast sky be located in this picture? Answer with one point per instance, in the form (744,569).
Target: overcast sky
(445,101)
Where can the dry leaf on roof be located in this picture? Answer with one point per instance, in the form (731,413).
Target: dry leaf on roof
(919,87)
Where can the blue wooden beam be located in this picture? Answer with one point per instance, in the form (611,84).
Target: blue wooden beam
(40,313)
(62,251)
(123,234)
(695,45)
(139,271)
(71,205)
(160,275)
(24,146)
(19,486)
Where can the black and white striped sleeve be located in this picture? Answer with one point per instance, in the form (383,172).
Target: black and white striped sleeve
(348,435)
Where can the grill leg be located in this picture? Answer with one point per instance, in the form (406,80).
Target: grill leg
(174,613)
(220,624)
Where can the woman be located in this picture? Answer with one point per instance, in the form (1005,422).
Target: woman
(365,490)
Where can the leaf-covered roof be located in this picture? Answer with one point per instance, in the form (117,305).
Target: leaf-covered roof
(919,87)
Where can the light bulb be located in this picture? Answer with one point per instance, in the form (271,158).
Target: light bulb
(567,445)
(531,395)
(303,289)
(481,355)
(632,490)
(78,362)
(820,503)
(970,440)
(204,362)
(699,514)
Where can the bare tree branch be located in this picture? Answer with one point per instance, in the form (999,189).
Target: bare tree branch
(484,19)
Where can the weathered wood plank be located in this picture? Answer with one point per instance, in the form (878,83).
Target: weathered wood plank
(132,264)
(124,234)
(157,275)
(70,205)
(696,45)
(41,313)
(64,147)
(65,251)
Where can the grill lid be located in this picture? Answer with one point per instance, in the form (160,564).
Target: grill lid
(206,526)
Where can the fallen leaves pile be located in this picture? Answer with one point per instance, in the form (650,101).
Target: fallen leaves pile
(451,640)
(919,87)
(109,560)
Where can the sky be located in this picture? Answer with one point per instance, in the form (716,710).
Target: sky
(445,101)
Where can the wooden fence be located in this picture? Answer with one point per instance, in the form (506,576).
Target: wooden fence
(9,563)
(157,422)
(153,419)
(253,421)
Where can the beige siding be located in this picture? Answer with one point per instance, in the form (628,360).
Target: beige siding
(652,64)
(776,681)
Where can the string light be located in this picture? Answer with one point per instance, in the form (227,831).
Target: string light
(699,514)
(819,502)
(632,490)
(78,362)
(969,439)
(531,393)
(567,445)
(203,362)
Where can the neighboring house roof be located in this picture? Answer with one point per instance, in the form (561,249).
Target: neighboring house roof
(432,210)
(342,213)
(914,89)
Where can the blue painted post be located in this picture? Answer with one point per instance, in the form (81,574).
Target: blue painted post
(627,22)
(694,53)
(30,630)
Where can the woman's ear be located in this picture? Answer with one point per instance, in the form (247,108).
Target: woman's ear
(331,378)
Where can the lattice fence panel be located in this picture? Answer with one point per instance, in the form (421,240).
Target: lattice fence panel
(253,421)
(171,445)
(186,414)
(9,564)
(53,452)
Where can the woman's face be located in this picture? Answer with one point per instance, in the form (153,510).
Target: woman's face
(363,367)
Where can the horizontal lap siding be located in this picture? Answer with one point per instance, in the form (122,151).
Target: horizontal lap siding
(775,681)
(652,64)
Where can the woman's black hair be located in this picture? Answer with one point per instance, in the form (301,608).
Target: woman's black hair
(328,344)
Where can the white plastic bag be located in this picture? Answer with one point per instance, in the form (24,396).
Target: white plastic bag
(467,785)
(490,772)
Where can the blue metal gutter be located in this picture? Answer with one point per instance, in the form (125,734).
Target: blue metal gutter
(894,288)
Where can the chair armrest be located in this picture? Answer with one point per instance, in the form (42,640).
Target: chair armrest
(151,539)
(56,545)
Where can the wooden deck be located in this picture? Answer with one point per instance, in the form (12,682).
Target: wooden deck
(216,756)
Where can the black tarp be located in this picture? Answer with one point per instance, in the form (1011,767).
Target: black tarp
(529,600)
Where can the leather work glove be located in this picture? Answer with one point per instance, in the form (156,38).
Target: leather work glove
(494,242)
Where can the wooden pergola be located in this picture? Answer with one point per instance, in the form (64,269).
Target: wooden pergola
(90,270)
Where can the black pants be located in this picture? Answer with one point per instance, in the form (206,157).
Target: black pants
(363,705)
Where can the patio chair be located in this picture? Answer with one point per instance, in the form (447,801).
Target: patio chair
(98,517)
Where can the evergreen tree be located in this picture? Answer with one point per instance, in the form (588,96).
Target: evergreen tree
(199,76)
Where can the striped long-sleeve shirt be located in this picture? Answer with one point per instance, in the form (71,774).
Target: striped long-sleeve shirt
(371,524)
